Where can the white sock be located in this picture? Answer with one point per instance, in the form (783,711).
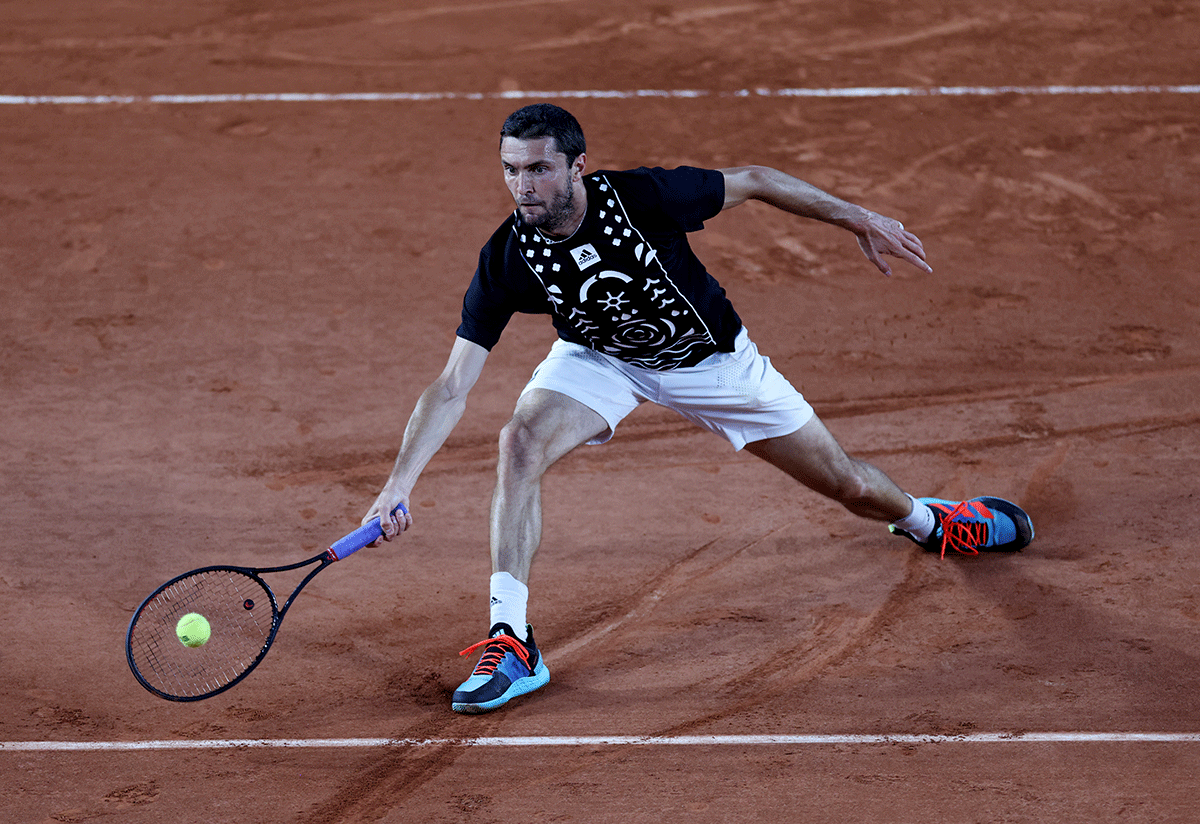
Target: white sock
(509,600)
(919,523)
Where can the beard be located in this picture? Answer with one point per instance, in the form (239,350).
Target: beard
(557,213)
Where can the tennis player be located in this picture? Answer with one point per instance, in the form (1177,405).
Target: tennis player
(639,319)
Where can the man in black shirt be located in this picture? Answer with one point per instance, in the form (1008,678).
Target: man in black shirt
(639,318)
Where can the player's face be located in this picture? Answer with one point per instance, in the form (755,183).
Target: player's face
(542,184)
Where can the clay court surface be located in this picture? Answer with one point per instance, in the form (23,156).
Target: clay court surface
(216,317)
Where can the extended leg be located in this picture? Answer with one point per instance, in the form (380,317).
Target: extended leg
(813,457)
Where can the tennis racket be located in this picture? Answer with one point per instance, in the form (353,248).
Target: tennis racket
(243,616)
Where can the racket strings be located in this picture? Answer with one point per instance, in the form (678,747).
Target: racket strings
(240,613)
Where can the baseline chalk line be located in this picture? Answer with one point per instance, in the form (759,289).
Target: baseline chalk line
(596,94)
(608,741)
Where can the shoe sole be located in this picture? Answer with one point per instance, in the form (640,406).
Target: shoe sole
(539,678)
(1017,515)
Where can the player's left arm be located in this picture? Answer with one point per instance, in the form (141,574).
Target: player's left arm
(877,235)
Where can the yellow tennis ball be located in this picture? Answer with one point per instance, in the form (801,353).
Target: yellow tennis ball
(193,630)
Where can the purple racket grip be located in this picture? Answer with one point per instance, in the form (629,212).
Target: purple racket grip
(359,538)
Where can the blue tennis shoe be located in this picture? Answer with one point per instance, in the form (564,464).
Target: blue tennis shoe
(974,526)
(509,667)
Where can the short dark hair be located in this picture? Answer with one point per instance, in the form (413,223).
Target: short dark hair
(547,120)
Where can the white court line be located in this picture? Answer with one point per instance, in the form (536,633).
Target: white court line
(418,97)
(609,741)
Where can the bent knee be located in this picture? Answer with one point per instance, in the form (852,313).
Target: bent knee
(523,448)
(518,439)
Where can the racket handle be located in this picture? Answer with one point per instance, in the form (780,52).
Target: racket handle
(359,538)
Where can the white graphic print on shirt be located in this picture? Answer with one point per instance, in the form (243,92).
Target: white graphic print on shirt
(614,292)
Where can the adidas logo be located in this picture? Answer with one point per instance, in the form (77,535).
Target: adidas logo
(496,600)
(585,256)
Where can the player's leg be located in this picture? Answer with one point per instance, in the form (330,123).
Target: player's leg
(742,397)
(813,457)
(545,426)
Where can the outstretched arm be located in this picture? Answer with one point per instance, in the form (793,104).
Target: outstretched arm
(877,235)
(437,412)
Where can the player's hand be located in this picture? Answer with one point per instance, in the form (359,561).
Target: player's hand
(392,525)
(879,236)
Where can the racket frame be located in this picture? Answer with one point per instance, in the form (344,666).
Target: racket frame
(344,547)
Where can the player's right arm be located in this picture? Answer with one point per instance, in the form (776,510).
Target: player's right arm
(437,412)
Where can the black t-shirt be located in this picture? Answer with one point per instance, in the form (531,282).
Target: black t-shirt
(626,283)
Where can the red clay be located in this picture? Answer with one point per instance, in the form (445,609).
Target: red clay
(217,317)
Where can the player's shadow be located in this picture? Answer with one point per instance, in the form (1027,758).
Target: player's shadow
(1109,668)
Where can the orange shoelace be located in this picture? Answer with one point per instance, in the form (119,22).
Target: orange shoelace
(494,654)
(965,536)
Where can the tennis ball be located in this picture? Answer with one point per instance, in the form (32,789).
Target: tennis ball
(193,630)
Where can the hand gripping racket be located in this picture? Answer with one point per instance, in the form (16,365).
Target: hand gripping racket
(243,618)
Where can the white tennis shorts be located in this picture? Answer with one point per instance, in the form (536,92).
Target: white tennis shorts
(738,395)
